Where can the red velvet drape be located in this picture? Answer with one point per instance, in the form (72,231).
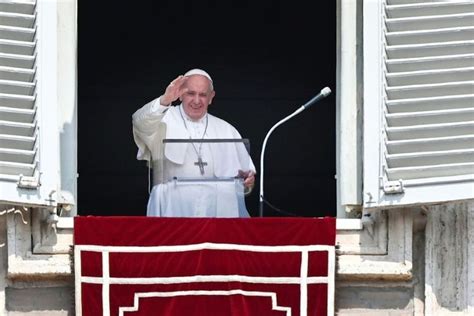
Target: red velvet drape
(202,266)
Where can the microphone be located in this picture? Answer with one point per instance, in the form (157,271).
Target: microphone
(324,93)
(321,95)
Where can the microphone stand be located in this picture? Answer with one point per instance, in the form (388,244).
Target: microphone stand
(324,92)
(298,111)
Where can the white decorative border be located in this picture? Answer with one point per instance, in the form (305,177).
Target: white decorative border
(272,295)
(303,279)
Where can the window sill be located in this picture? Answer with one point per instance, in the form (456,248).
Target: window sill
(348,224)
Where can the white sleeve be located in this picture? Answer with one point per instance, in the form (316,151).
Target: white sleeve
(148,114)
(145,127)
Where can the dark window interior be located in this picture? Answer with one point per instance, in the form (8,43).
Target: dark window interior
(267,58)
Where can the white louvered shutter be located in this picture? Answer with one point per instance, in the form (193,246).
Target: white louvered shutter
(25,175)
(418,102)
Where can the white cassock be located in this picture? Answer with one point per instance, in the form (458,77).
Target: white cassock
(171,198)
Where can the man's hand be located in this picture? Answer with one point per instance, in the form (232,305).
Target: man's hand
(174,90)
(249,178)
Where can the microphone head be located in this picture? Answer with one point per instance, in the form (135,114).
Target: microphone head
(325,91)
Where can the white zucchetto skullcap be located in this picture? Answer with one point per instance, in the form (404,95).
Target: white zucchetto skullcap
(197,71)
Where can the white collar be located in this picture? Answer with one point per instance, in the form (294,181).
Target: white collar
(202,120)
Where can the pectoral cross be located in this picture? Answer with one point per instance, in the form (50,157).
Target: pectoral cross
(201,165)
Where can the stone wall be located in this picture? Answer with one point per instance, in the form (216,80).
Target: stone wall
(35,268)
(441,280)
(449,255)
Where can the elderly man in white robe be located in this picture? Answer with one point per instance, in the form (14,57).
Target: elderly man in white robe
(190,120)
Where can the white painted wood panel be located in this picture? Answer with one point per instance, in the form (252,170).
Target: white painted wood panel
(419,101)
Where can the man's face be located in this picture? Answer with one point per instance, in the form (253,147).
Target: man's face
(198,96)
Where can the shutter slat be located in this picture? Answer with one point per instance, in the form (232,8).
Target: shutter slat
(17,101)
(16,128)
(431,171)
(427,63)
(16,168)
(11,47)
(430,158)
(429,9)
(430,90)
(428,131)
(17,20)
(17,87)
(23,7)
(17,115)
(430,36)
(430,22)
(431,49)
(430,144)
(17,61)
(16,155)
(17,74)
(17,142)
(395,2)
(430,76)
(430,103)
(430,117)
(17,33)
